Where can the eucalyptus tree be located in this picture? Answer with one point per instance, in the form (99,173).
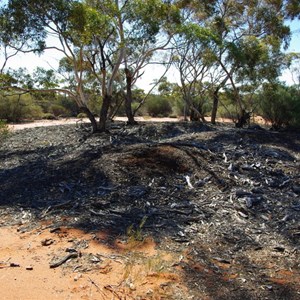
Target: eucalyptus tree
(90,38)
(197,45)
(97,37)
(193,60)
(247,36)
(251,34)
(12,41)
(60,19)
(148,28)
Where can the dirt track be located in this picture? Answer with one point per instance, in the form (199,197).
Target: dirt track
(46,123)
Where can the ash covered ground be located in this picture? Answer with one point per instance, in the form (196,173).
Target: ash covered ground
(226,199)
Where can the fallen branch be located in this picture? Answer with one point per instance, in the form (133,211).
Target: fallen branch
(63,260)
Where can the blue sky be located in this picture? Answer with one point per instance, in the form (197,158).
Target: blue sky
(295,42)
(294,47)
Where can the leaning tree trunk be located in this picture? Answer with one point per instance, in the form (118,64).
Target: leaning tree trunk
(128,98)
(215,106)
(104,111)
(91,117)
(196,114)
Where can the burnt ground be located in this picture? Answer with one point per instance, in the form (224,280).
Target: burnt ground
(226,201)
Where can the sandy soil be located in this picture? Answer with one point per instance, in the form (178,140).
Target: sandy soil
(43,123)
(126,271)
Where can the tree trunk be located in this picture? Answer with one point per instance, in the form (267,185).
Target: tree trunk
(215,106)
(104,112)
(244,119)
(128,98)
(91,117)
(194,117)
(185,109)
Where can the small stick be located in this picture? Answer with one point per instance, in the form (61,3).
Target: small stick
(94,283)
(110,288)
(188,181)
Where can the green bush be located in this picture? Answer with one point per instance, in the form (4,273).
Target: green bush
(280,105)
(142,111)
(158,106)
(58,110)
(94,103)
(4,130)
(178,108)
(49,116)
(69,104)
(228,112)
(17,108)
(81,116)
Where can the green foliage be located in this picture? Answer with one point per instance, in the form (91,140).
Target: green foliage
(94,103)
(68,104)
(27,31)
(228,112)
(48,116)
(22,78)
(148,17)
(19,107)
(58,105)
(158,106)
(4,130)
(85,21)
(6,80)
(58,110)
(196,32)
(81,116)
(293,9)
(227,108)
(45,79)
(280,105)
(241,40)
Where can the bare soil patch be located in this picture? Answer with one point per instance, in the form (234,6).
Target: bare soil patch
(155,211)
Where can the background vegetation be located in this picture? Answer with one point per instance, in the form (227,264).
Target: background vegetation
(228,57)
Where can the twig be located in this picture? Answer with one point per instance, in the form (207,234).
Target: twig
(112,257)
(61,205)
(110,288)
(188,181)
(94,283)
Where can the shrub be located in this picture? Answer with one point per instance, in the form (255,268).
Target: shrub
(81,116)
(141,111)
(70,105)
(228,112)
(58,110)
(158,106)
(280,105)
(48,116)
(4,130)
(16,108)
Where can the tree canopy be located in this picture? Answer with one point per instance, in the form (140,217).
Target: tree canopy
(106,45)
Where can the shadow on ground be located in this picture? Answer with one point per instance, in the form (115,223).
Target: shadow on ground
(226,200)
